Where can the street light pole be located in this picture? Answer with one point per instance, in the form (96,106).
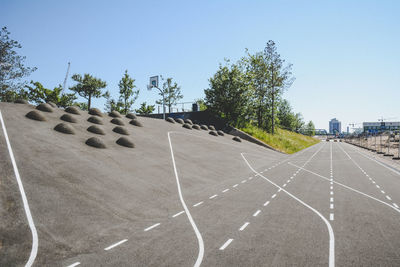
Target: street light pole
(154,83)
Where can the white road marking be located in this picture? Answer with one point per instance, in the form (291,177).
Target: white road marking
(74,264)
(244,226)
(243,181)
(28,214)
(394,204)
(284,185)
(331,217)
(331,193)
(331,187)
(226,244)
(198,204)
(250,178)
(196,230)
(179,213)
(226,190)
(373,182)
(151,227)
(273,196)
(288,181)
(331,206)
(377,186)
(116,244)
(266,203)
(214,196)
(256,213)
(279,190)
(235,185)
(383,192)
(331,199)
(388,198)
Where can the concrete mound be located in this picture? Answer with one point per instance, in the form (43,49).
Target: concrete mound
(189,121)
(204,127)
(117,122)
(136,123)
(44,107)
(211,127)
(114,114)
(35,115)
(187,126)
(131,116)
(68,118)
(95,120)
(169,119)
(196,126)
(73,110)
(179,120)
(237,139)
(21,101)
(95,142)
(96,112)
(52,104)
(96,129)
(121,130)
(221,133)
(123,141)
(213,133)
(64,128)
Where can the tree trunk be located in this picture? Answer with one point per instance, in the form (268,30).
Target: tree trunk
(89,101)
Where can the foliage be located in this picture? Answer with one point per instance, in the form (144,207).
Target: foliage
(82,105)
(38,94)
(309,129)
(172,93)
(201,103)
(88,86)
(145,109)
(12,68)
(128,96)
(228,94)
(283,140)
(112,104)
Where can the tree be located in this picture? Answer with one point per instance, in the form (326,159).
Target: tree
(37,93)
(112,104)
(310,129)
(228,94)
(285,115)
(201,103)
(145,109)
(81,105)
(88,86)
(12,68)
(128,96)
(172,93)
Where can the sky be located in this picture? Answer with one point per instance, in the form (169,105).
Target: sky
(345,54)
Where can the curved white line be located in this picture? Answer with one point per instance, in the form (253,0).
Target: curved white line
(196,230)
(330,230)
(35,240)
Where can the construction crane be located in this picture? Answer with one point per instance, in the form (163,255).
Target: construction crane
(66,77)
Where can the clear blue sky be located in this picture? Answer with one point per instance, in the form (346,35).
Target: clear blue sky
(345,54)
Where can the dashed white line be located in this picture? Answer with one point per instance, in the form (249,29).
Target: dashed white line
(244,226)
(214,196)
(256,213)
(383,192)
(394,204)
(388,198)
(116,244)
(377,186)
(226,190)
(280,189)
(74,264)
(331,217)
(179,213)
(331,192)
(273,196)
(266,203)
(284,185)
(331,206)
(288,181)
(151,227)
(198,204)
(226,244)
(243,181)
(235,185)
(250,178)
(331,199)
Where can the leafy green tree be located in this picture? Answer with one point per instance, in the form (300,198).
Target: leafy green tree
(309,129)
(172,93)
(285,115)
(12,68)
(228,94)
(127,93)
(298,122)
(88,87)
(112,104)
(145,109)
(37,93)
(82,105)
(201,103)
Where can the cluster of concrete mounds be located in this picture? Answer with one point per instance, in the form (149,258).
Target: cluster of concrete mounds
(187,126)
(180,121)
(71,117)
(204,127)
(196,126)
(214,133)
(169,119)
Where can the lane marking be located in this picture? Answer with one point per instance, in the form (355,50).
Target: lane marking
(273,196)
(394,204)
(331,216)
(266,203)
(244,226)
(331,206)
(214,196)
(151,227)
(226,190)
(331,199)
(388,198)
(331,193)
(74,264)
(179,213)
(279,190)
(198,204)
(256,213)
(383,192)
(250,178)
(116,244)
(226,244)
(35,240)
(196,230)
(235,185)
(284,185)
(243,181)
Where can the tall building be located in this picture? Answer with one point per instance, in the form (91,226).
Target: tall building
(335,126)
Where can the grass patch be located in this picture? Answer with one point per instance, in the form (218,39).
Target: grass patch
(283,140)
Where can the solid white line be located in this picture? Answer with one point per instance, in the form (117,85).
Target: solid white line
(226,190)
(226,244)
(256,213)
(266,203)
(331,216)
(235,185)
(214,196)
(179,213)
(244,226)
(116,244)
(151,227)
(273,196)
(196,230)
(198,204)
(388,198)
(74,264)
(35,241)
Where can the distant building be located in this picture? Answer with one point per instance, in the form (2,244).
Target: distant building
(348,130)
(378,127)
(335,126)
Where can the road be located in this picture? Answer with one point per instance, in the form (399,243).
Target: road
(206,201)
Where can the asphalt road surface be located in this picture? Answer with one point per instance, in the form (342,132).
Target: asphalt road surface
(186,198)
